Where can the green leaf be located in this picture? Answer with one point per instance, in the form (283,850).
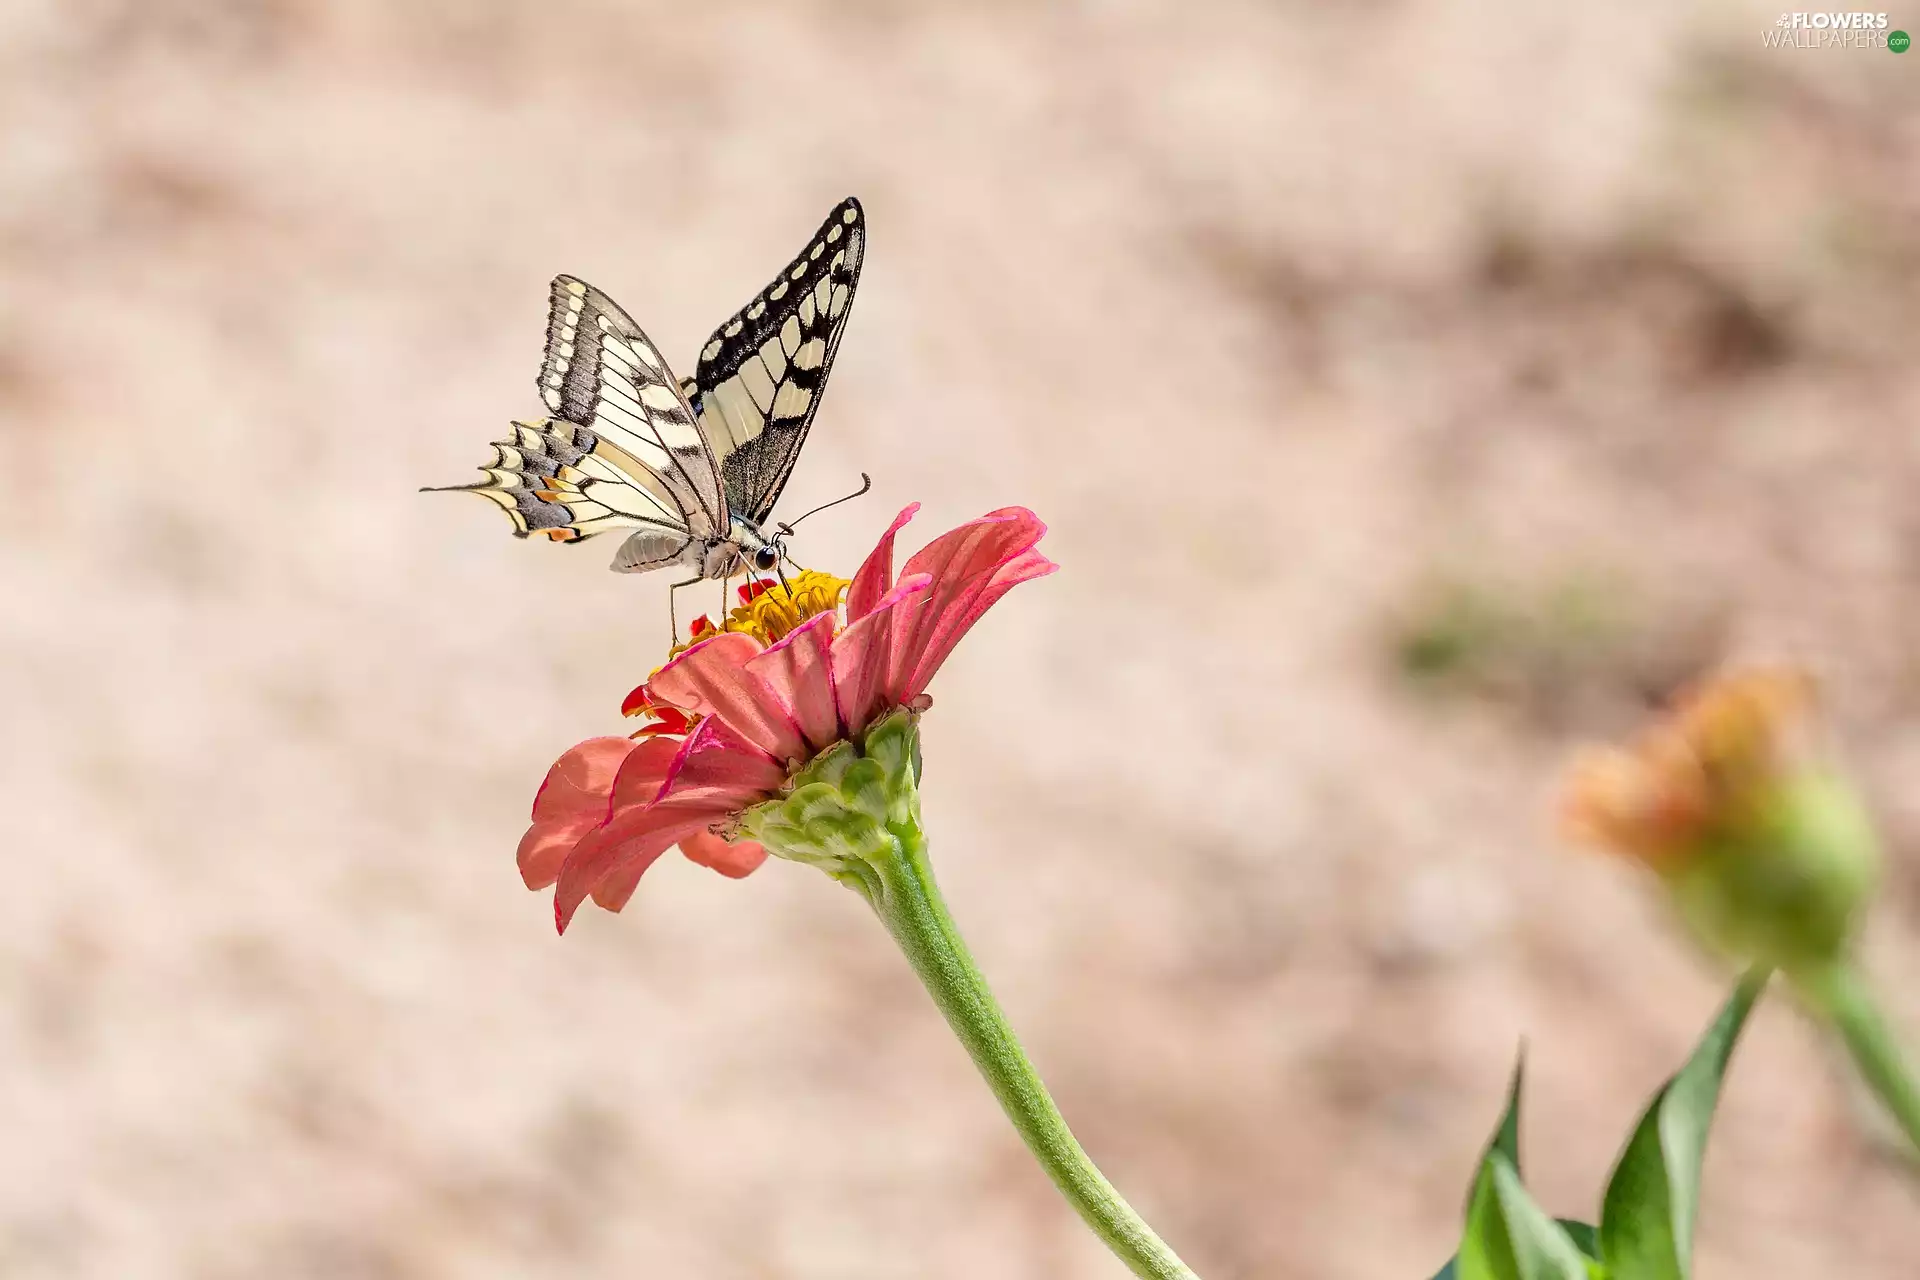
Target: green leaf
(1646,1220)
(1505,1143)
(1585,1238)
(1506,1134)
(1509,1237)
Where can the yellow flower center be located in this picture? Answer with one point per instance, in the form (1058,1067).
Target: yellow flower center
(768,612)
(773,609)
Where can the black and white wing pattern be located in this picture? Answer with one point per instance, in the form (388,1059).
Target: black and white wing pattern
(560,479)
(601,372)
(621,449)
(760,375)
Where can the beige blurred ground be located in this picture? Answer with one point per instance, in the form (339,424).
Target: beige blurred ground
(1564,352)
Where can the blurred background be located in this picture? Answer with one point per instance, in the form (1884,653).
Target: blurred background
(1415,391)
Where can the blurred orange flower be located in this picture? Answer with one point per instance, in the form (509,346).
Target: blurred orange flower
(1703,764)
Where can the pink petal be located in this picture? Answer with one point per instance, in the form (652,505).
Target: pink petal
(799,671)
(959,615)
(712,678)
(718,764)
(736,859)
(862,653)
(973,566)
(641,775)
(571,801)
(617,854)
(714,774)
(543,849)
(875,578)
(581,778)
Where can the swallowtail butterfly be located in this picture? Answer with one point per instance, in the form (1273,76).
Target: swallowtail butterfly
(691,469)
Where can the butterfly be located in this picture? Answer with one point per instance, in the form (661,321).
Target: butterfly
(690,469)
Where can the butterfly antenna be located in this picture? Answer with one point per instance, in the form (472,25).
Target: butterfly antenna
(866,483)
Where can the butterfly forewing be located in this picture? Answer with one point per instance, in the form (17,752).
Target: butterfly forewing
(601,372)
(761,374)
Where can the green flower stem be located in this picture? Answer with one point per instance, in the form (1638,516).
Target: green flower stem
(909,902)
(1838,992)
(854,812)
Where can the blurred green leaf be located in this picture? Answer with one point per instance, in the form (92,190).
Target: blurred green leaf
(1498,1206)
(1506,1134)
(1585,1238)
(1509,1237)
(1646,1220)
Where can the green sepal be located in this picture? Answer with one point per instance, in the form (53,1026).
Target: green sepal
(1647,1217)
(849,806)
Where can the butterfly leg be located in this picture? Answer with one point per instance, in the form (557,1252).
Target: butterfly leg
(672,620)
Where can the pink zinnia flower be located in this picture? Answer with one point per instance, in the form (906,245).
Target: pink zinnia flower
(759,711)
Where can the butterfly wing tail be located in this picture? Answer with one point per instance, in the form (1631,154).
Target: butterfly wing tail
(529,479)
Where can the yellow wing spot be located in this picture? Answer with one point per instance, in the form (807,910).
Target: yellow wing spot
(819,247)
(578,290)
(811,353)
(797,272)
(712,352)
(733,329)
(791,402)
(779,291)
(757,310)
(850,217)
(833,236)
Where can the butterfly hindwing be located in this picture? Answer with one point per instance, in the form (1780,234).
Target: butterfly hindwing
(761,374)
(560,479)
(602,373)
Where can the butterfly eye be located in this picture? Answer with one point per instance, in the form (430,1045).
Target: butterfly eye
(765,558)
